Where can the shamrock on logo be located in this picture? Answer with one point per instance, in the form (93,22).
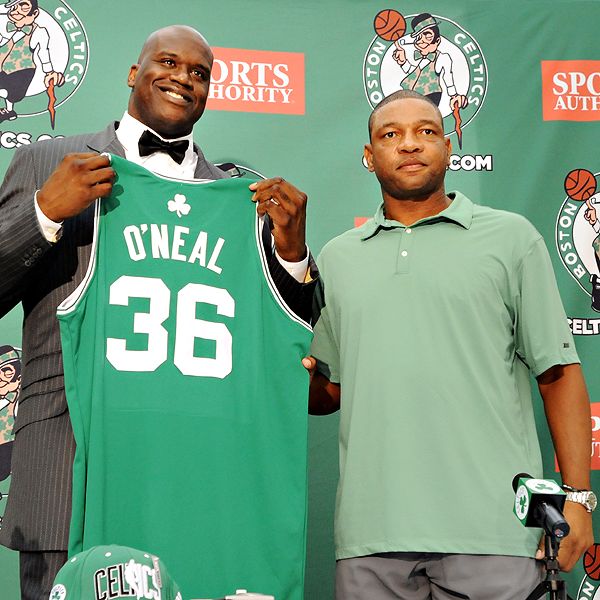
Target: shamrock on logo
(58,592)
(523,503)
(178,205)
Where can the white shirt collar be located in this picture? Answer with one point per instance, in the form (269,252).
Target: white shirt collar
(129,132)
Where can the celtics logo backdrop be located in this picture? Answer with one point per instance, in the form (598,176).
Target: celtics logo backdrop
(578,241)
(10,386)
(44,55)
(431,55)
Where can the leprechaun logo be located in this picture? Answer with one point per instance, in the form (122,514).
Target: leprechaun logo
(578,241)
(431,55)
(43,57)
(10,386)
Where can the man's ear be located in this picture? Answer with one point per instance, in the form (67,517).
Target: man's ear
(132,74)
(449,151)
(368,154)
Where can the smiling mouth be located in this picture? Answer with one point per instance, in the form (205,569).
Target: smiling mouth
(176,95)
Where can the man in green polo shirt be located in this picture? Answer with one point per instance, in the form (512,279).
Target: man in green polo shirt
(432,316)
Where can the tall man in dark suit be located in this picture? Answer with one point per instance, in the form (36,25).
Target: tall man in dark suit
(46,222)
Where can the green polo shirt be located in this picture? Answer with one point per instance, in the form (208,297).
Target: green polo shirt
(432,331)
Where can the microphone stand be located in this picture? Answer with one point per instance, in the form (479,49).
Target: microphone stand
(553,584)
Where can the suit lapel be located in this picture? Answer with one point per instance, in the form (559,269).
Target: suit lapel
(106,141)
(202,171)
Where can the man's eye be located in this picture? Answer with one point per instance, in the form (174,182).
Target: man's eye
(428,131)
(200,74)
(168,61)
(389,134)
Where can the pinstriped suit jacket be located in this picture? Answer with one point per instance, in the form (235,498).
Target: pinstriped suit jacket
(40,275)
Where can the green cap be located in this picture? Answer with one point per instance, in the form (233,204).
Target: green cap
(425,24)
(8,354)
(112,572)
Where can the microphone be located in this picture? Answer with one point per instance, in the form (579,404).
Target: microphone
(539,503)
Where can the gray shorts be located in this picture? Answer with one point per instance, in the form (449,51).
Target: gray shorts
(430,576)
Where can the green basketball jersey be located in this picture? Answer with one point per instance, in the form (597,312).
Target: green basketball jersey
(186,390)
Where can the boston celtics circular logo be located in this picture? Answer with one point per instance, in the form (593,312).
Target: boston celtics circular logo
(521,502)
(58,592)
(44,55)
(431,55)
(578,231)
(589,587)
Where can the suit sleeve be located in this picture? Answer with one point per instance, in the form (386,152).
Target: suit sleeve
(22,242)
(298,296)
(325,346)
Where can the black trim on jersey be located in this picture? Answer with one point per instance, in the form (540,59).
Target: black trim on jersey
(298,296)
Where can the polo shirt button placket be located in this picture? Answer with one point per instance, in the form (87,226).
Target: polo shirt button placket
(402,262)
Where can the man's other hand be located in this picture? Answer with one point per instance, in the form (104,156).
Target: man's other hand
(286,205)
(580,538)
(310,364)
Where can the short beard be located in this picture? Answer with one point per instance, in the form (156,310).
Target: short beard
(432,186)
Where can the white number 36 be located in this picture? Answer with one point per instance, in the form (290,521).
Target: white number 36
(187,327)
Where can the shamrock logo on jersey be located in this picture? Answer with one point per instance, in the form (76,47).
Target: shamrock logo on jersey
(178,205)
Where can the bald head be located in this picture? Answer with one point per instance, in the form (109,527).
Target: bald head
(154,39)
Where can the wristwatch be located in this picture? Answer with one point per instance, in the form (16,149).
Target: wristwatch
(586,498)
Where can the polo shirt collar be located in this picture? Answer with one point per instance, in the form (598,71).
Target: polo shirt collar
(460,211)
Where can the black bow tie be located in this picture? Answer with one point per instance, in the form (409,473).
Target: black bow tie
(150,143)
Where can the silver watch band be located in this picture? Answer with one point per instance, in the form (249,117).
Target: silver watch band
(586,498)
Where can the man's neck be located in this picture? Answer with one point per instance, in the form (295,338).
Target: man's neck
(410,210)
